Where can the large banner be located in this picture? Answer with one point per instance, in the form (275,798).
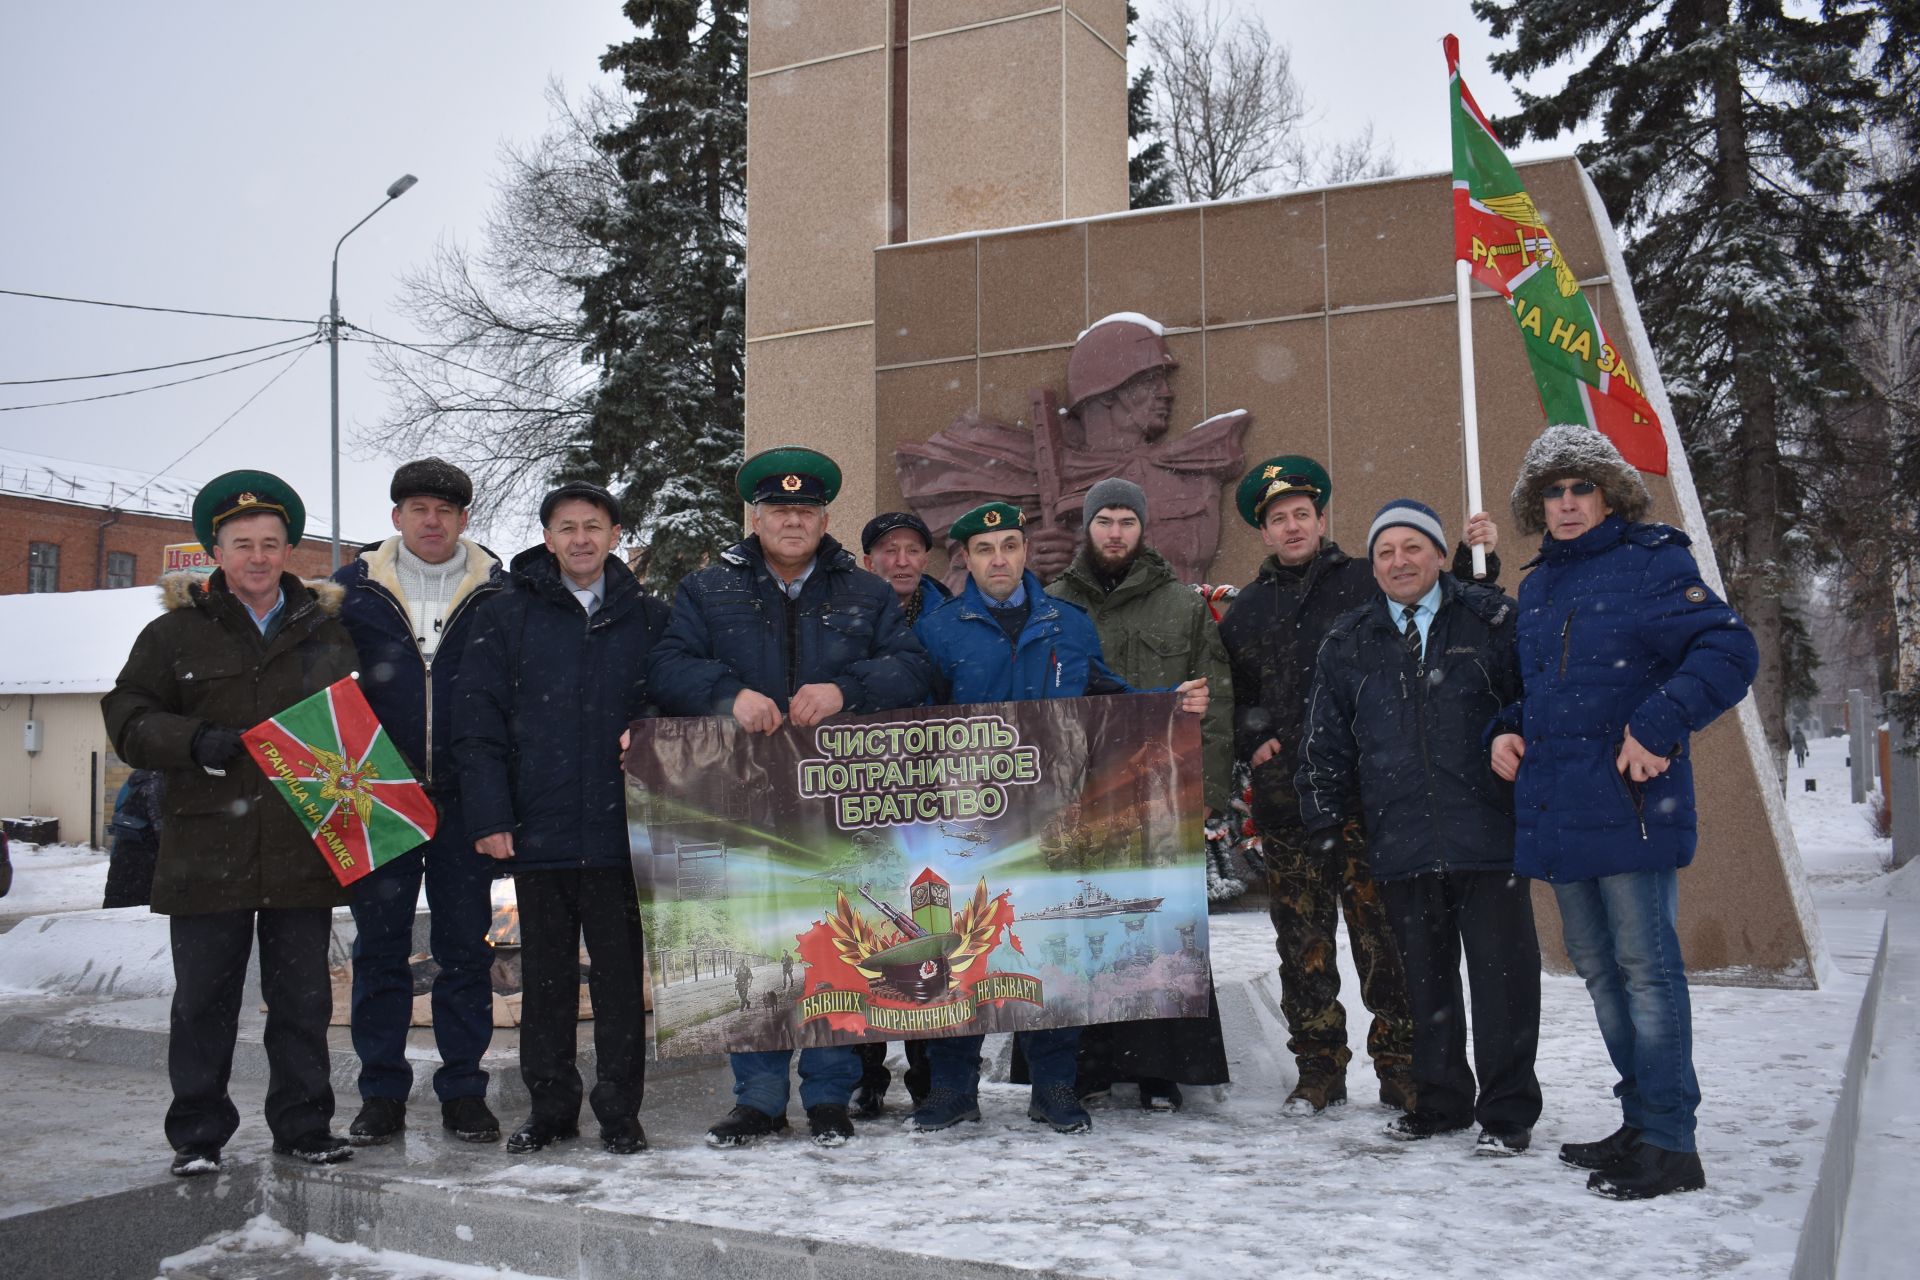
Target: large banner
(913,874)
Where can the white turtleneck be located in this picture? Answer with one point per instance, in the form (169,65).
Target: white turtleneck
(427,590)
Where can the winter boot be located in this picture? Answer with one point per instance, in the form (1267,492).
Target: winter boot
(470,1119)
(1648,1172)
(379,1120)
(1159,1095)
(1604,1154)
(943,1109)
(192,1162)
(1319,1088)
(1511,1142)
(1055,1104)
(1417,1125)
(868,1103)
(743,1125)
(1397,1090)
(623,1137)
(318,1147)
(538,1133)
(829,1124)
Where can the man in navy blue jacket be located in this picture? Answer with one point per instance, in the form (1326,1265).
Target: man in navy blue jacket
(1004,639)
(1626,652)
(1403,690)
(787,629)
(555,670)
(410,603)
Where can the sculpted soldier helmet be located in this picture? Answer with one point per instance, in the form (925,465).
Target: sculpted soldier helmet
(1113,350)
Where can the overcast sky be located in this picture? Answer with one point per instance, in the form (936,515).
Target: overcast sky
(207,155)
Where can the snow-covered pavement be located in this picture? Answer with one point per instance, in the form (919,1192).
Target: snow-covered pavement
(1229,1187)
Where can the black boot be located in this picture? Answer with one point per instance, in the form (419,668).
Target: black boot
(318,1147)
(379,1120)
(829,1124)
(623,1137)
(1650,1171)
(743,1125)
(1604,1154)
(470,1119)
(537,1133)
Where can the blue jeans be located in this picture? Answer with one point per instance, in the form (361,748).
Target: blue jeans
(827,1076)
(1620,936)
(459,885)
(1053,1057)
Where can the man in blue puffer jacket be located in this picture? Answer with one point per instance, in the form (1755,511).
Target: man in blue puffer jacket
(1004,639)
(555,670)
(1625,652)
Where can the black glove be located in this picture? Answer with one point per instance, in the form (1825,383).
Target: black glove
(215,747)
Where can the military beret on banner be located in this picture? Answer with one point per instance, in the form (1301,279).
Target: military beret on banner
(990,517)
(246,493)
(791,475)
(1282,477)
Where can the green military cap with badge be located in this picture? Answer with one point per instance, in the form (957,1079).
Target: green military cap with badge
(1285,476)
(245,493)
(988,517)
(790,475)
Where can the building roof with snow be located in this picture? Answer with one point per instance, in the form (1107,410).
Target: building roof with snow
(94,484)
(70,641)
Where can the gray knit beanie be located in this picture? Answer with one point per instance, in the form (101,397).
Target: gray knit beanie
(1113,492)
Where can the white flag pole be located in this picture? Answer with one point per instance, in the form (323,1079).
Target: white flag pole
(1469,413)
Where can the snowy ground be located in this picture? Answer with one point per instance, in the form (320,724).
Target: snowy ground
(53,877)
(1232,1188)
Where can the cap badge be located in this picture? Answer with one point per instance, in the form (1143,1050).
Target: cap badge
(991,519)
(245,500)
(1270,473)
(790,483)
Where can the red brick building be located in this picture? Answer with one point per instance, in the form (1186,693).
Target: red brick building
(77,526)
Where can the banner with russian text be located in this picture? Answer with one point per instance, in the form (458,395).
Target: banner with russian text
(920,873)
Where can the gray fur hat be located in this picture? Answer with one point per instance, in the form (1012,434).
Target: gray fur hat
(1576,451)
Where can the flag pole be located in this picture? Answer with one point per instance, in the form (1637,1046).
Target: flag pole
(1469,409)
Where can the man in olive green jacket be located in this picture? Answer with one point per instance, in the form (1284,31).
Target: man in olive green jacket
(1155,632)
(230,652)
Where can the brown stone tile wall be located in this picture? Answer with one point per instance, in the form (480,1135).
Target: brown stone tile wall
(1329,315)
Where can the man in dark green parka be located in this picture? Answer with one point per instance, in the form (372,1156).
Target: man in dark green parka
(241,647)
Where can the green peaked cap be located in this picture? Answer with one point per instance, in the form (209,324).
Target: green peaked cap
(1281,477)
(242,493)
(988,517)
(790,474)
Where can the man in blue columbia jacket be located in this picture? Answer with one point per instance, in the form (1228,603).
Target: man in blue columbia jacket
(1625,652)
(410,604)
(787,629)
(1004,639)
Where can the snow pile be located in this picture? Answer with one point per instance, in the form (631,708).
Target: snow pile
(54,877)
(264,1241)
(71,641)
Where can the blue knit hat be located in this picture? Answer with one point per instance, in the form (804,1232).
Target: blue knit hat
(1412,515)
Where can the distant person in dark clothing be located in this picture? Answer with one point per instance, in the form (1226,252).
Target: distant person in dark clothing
(1800,748)
(136,839)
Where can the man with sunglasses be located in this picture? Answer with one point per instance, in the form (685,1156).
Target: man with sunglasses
(1272,633)
(1625,652)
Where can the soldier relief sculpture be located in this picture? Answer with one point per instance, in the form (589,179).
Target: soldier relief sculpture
(1119,408)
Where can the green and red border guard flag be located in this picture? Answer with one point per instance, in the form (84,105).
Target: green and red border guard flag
(329,758)
(1497,230)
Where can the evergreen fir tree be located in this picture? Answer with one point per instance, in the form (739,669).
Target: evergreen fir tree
(1727,141)
(664,318)
(1148,182)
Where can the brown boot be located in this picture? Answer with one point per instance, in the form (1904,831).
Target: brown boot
(1397,1090)
(1319,1088)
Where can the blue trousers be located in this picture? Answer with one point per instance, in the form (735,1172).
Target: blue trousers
(1053,1057)
(827,1076)
(1620,936)
(459,883)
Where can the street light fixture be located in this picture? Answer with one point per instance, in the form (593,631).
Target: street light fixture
(399,187)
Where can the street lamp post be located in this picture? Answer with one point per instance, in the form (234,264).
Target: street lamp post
(400,187)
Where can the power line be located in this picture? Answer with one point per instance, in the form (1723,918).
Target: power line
(135,306)
(177,382)
(152,368)
(298,356)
